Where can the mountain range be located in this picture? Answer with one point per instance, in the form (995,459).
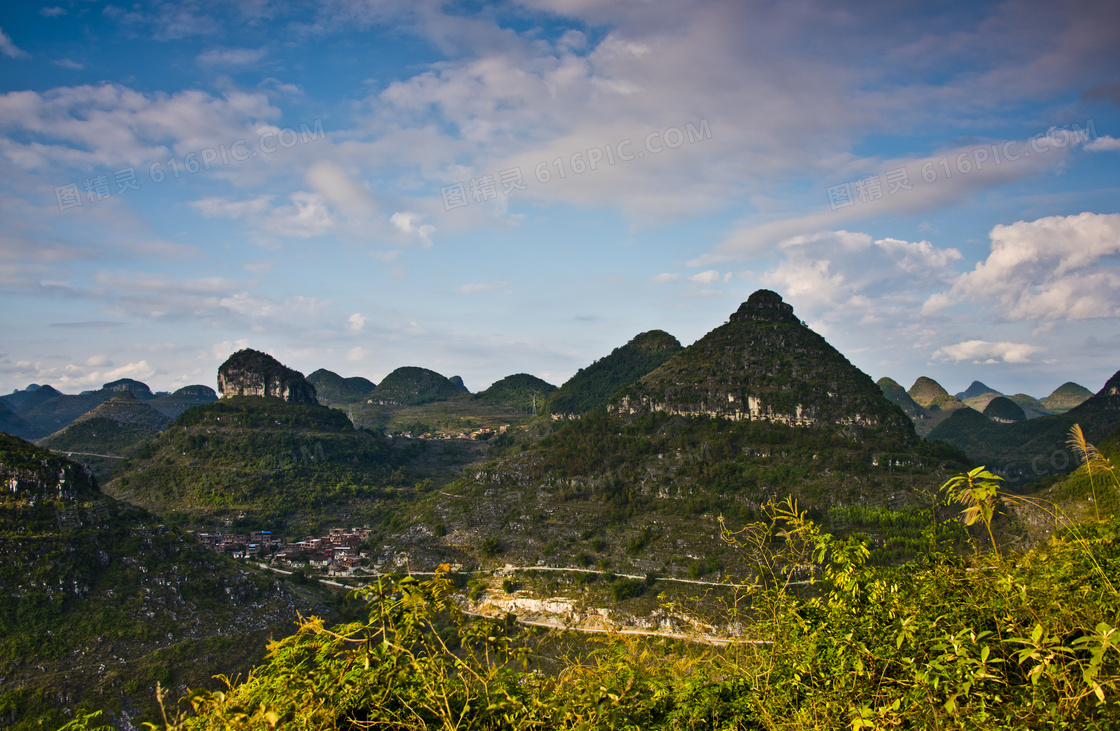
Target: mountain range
(631,465)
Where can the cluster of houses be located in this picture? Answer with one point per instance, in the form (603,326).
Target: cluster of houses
(478,434)
(339,553)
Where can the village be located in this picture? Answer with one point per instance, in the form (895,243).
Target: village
(340,553)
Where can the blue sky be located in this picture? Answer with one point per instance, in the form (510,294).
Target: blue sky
(492,188)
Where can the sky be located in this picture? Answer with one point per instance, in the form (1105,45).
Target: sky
(489,188)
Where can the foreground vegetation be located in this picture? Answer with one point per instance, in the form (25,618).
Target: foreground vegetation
(991,640)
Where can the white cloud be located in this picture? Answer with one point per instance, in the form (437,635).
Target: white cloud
(409,223)
(1104,143)
(708,277)
(335,185)
(665,278)
(355,322)
(843,274)
(110,125)
(9,49)
(138,371)
(52,12)
(231,56)
(226,348)
(68,63)
(1054,268)
(982,351)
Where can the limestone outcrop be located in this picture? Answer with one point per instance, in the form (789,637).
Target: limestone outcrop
(253,373)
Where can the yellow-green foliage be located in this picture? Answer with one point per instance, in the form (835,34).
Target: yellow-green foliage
(948,643)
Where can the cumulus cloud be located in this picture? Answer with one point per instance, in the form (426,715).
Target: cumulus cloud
(841,274)
(709,277)
(408,222)
(1104,143)
(982,351)
(1054,268)
(355,322)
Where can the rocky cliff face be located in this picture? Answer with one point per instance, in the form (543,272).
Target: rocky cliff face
(253,373)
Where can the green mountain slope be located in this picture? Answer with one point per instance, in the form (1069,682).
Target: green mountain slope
(640,484)
(519,392)
(1031,406)
(1031,450)
(412,386)
(102,600)
(897,395)
(765,365)
(332,388)
(115,429)
(1065,397)
(1004,410)
(592,387)
(261,458)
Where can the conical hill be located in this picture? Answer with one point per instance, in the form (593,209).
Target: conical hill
(766,365)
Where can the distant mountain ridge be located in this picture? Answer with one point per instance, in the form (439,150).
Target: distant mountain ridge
(1032,449)
(976,389)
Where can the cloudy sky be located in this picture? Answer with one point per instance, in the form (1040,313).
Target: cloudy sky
(492,188)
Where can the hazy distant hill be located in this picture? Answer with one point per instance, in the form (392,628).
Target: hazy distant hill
(1065,397)
(411,385)
(592,387)
(14,424)
(976,389)
(117,427)
(332,388)
(176,403)
(102,600)
(1036,448)
(520,392)
(53,414)
(30,397)
(457,381)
